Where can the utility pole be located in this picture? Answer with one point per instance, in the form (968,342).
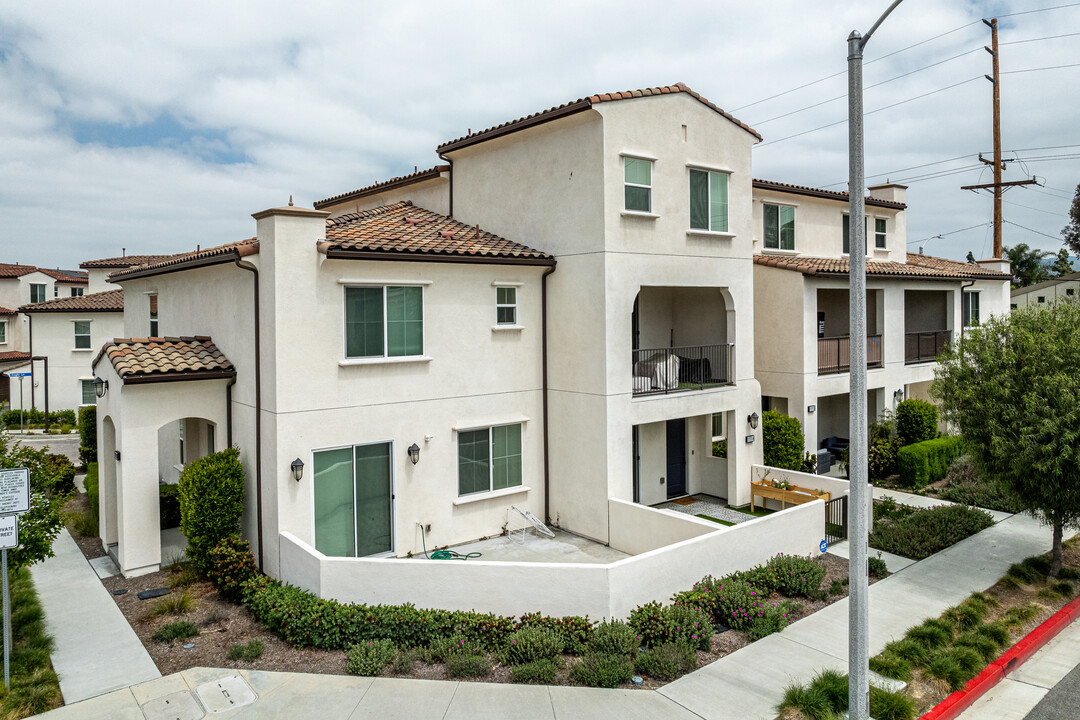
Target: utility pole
(997,185)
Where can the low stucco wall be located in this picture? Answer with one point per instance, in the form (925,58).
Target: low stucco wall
(835,486)
(599,591)
(636,528)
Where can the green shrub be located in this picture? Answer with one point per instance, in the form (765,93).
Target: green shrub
(916,421)
(719,448)
(529,644)
(877,567)
(61,473)
(370,658)
(1025,573)
(601,670)
(955,665)
(34,686)
(543,672)
(927,462)
(881,458)
(175,631)
(968,487)
(774,617)
(981,643)
(88,435)
(909,650)
(886,705)
(169,506)
(1038,563)
(230,565)
(172,604)
(925,532)
(250,651)
(810,702)
(891,666)
(574,630)
(931,634)
(657,625)
(797,576)
(964,616)
(1017,616)
(467,666)
(211,503)
(614,638)
(783,440)
(667,661)
(90,482)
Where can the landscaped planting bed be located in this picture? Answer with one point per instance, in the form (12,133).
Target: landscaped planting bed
(34,686)
(918,533)
(940,655)
(964,485)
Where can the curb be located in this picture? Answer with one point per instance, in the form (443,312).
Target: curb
(1010,660)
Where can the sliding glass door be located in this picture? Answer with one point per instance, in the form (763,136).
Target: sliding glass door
(354,501)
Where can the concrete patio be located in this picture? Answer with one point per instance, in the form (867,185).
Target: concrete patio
(565,547)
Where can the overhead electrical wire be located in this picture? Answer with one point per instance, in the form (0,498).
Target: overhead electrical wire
(951,232)
(1052,237)
(1039,10)
(1038,69)
(1048,37)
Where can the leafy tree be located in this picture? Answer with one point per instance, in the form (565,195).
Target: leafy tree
(39,527)
(970,257)
(783,440)
(1027,264)
(1062,263)
(1071,232)
(1012,386)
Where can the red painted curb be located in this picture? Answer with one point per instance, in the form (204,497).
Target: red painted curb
(1009,661)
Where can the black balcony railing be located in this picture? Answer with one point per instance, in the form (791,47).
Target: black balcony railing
(925,346)
(834,354)
(677,369)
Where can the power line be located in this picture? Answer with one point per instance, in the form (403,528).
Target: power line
(1052,237)
(1052,67)
(951,232)
(1029,12)
(1048,37)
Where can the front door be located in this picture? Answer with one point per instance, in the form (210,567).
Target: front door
(676,457)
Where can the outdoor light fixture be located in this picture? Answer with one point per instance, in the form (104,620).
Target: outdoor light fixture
(414,453)
(753,418)
(297,469)
(100,386)
(811,408)
(898,396)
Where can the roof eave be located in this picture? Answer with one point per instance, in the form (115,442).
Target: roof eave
(346,254)
(229,256)
(178,377)
(513,127)
(432,174)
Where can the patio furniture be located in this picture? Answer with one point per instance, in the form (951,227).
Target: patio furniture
(836,446)
(531,519)
(661,369)
(791,495)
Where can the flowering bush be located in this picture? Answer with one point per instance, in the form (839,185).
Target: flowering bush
(797,576)
(656,625)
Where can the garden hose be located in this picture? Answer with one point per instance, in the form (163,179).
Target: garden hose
(443,554)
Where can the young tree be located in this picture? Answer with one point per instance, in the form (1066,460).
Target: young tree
(1071,232)
(1027,264)
(40,526)
(1012,386)
(1062,263)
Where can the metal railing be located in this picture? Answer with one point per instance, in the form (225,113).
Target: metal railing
(925,346)
(836,522)
(834,354)
(677,369)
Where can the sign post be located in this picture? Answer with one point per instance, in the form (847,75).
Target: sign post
(21,404)
(14,500)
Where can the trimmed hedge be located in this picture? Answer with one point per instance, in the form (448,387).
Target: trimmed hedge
(90,482)
(783,440)
(88,434)
(211,503)
(916,421)
(922,533)
(926,462)
(33,416)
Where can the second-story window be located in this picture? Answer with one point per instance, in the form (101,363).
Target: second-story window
(153,316)
(506,305)
(76,292)
(709,200)
(880,238)
(82,334)
(37,292)
(3,332)
(637,178)
(847,232)
(971,309)
(779,227)
(384,321)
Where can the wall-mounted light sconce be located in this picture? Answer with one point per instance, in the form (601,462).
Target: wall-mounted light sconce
(297,469)
(100,386)
(116,455)
(414,453)
(898,396)
(811,408)
(753,418)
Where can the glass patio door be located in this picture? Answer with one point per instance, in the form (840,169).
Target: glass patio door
(353,501)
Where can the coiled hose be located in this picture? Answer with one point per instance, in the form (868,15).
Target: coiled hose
(443,554)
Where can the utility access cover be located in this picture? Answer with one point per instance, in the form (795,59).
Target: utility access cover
(177,706)
(225,694)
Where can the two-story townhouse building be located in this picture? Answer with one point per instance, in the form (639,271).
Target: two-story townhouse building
(1066,287)
(915,304)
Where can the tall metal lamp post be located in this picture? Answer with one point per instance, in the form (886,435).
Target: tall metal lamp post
(858,605)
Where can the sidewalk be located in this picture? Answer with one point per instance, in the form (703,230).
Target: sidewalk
(746,685)
(95,650)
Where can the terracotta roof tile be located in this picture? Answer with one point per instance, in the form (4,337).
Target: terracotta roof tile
(818,192)
(6,311)
(384,185)
(917,266)
(240,248)
(168,358)
(579,105)
(404,228)
(7,270)
(13,355)
(66,277)
(124,261)
(108,301)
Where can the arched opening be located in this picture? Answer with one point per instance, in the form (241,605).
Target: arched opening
(107,487)
(179,443)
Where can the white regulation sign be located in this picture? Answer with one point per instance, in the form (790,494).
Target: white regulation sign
(9,532)
(14,491)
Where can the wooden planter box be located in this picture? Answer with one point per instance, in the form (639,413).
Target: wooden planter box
(793,495)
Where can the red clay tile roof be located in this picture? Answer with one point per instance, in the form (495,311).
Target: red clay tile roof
(404,229)
(917,267)
(818,192)
(108,301)
(205,256)
(577,106)
(7,270)
(125,261)
(384,185)
(13,355)
(6,311)
(66,277)
(169,358)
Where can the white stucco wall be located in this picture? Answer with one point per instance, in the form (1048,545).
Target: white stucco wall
(54,337)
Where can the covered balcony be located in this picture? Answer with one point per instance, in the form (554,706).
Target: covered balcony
(927,324)
(834,331)
(681,340)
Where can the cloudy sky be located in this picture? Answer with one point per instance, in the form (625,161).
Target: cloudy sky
(157,126)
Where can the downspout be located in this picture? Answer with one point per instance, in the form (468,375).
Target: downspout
(228,411)
(258,409)
(544,375)
(449,162)
(30,330)
(962,286)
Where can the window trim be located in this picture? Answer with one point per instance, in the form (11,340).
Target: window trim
(649,187)
(794,227)
(77,291)
(690,169)
(3,332)
(44,292)
(722,435)
(965,312)
(490,492)
(884,234)
(82,390)
(384,358)
(89,335)
(499,306)
(393,495)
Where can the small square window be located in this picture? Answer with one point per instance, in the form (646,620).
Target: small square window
(384,321)
(82,334)
(717,426)
(56,291)
(506,305)
(37,292)
(489,459)
(77,292)
(637,178)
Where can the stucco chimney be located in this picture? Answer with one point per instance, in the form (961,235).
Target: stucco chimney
(889,191)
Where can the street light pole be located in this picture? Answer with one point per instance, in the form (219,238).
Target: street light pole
(858,600)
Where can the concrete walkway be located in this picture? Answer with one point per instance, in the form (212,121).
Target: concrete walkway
(746,685)
(95,649)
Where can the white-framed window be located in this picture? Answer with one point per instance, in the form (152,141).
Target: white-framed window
(708,200)
(880,236)
(779,233)
(489,459)
(82,334)
(3,332)
(154,315)
(353,493)
(637,184)
(181,441)
(506,310)
(89,397)
(847,232)
(384,321)
(56,291)
(77,291)
(971,309)
(718,426)
(37,292)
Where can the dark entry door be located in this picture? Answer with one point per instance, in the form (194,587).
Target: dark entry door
(676,457)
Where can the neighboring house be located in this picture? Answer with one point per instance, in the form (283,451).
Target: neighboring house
(915,305)
(1066,287)
(98,270)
